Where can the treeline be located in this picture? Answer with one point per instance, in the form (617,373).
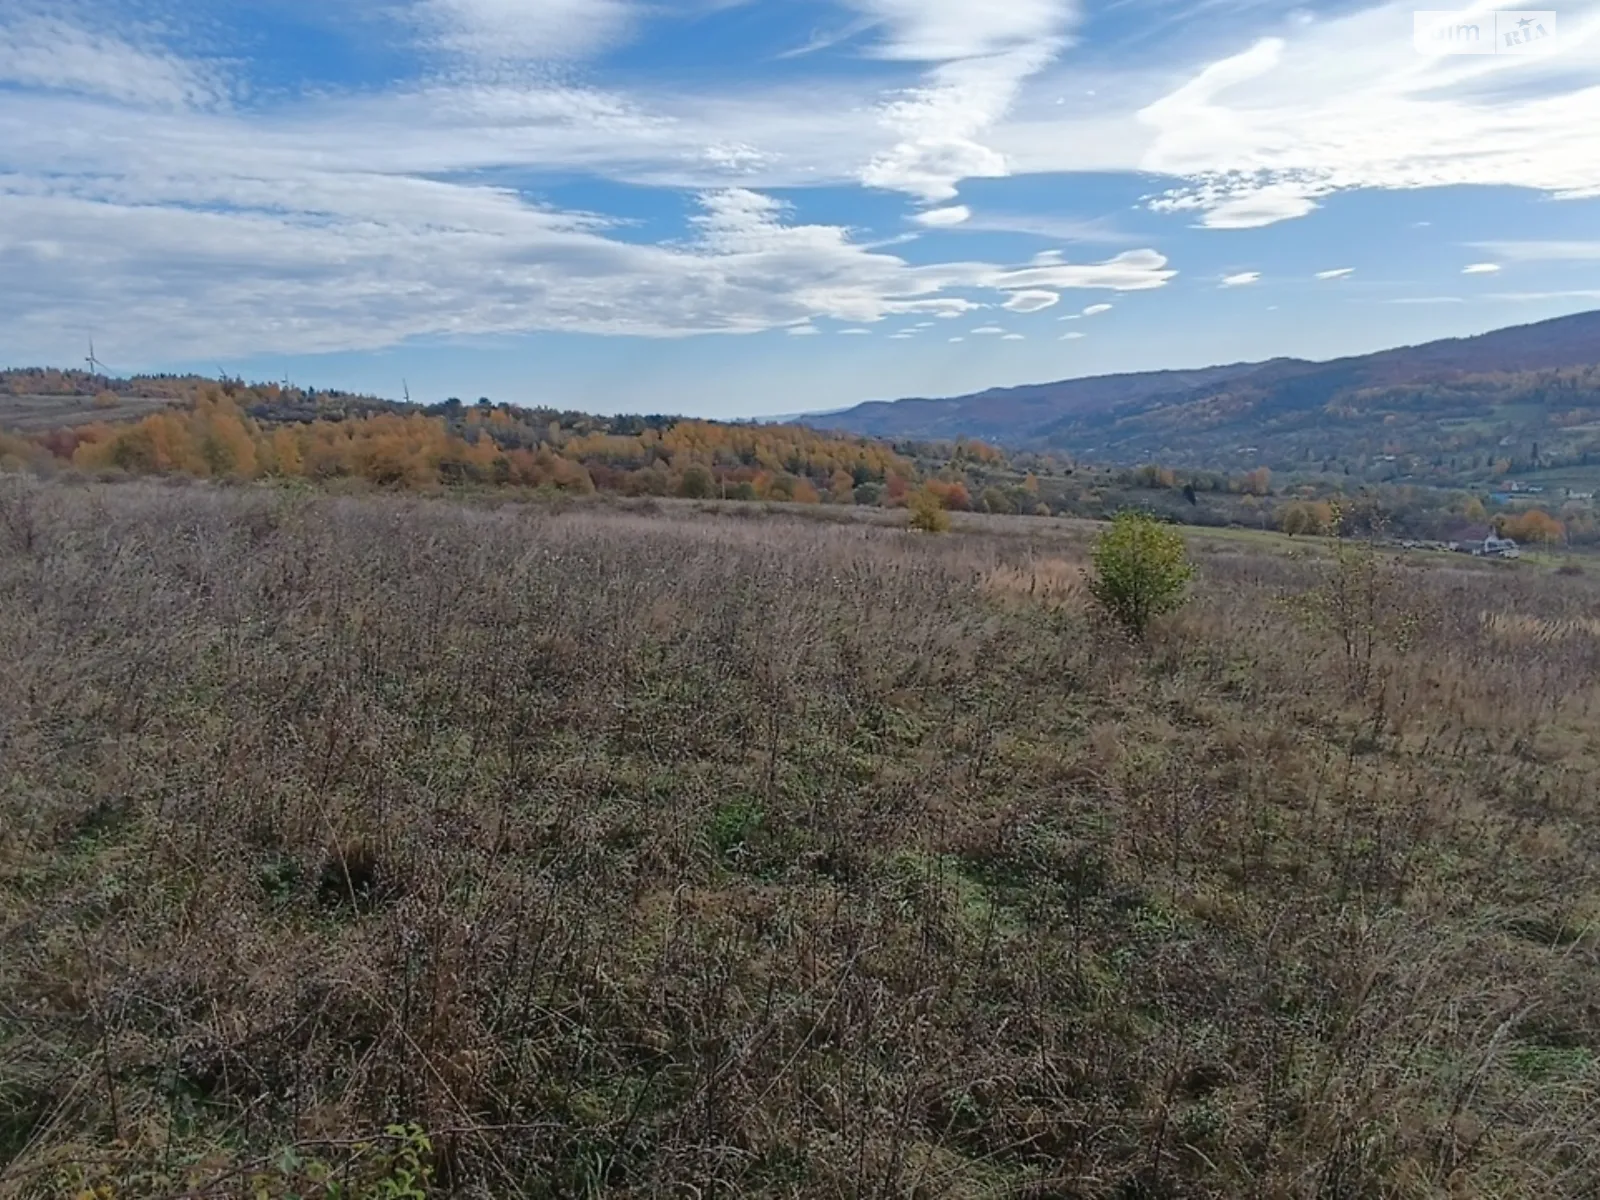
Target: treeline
(227,431)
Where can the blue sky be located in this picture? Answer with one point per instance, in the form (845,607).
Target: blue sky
(747,207)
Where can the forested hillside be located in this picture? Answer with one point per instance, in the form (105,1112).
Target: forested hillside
(1463,411)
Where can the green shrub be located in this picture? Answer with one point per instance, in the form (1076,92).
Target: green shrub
(927,512)
(1141,570)
(996,501)
(732,824)
(697,483)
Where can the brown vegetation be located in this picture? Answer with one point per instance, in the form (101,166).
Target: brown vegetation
(520,851)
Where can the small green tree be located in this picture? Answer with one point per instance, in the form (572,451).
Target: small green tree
(1141,570)
(996,501)
(697,483)
(1364,604)
(927,512)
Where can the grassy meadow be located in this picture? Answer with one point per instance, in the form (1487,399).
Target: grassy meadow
(379,846)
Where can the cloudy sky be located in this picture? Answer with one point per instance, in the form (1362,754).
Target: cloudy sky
(741,207)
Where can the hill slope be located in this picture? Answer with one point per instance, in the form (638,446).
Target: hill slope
(1527,397)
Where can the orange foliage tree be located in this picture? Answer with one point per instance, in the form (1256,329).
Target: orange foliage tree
(1535,525)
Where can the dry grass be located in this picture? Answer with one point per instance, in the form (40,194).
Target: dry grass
(1523,627)
(648,855)
(1054,583)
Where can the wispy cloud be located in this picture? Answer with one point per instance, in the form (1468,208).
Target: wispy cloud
(1345,102)
(943,218)
(304,239)
(983,55)
(1569,294)
(1094,310)
(536,30)
(1130,271)
(945,30)
(1336,273)
(826,39)
(51,54)
(1242,279)
(1062,229)
(1032,301)
(1483,268)
(148,190)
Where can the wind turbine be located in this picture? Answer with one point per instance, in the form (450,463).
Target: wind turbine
(406,387)
(94,363)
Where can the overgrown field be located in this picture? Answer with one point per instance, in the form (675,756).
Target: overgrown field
(385,847)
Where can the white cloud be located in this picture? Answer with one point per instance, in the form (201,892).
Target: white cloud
(988,329)
(1013,337)
(958,339)
(900,337)
(803,331)
(943,218)
(855,332)
(1483,268)
(1130,271)
(1094,310)
(1073,336)
(1242,279)
(1336,273)
(984,54)
(1266,206)
(1031,301)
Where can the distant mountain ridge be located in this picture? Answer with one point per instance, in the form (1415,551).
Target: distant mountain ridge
(1454,399)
